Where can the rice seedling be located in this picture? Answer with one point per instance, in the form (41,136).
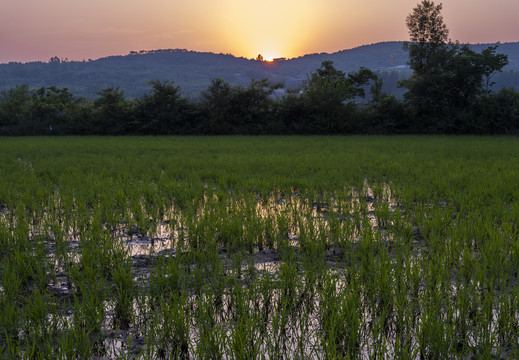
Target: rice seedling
(259,247)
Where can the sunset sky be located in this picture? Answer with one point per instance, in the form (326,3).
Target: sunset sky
(33,30)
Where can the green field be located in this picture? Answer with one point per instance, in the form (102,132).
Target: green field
(259,247)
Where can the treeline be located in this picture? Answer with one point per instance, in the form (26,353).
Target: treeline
(449,92)
(328,102)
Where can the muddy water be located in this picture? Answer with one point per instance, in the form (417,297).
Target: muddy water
(162,240)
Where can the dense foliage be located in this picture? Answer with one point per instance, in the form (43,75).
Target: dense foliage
(448,80)
(325,104)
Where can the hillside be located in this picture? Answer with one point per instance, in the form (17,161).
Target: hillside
(193,71)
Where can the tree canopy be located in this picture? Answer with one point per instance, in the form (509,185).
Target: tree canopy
(448,78)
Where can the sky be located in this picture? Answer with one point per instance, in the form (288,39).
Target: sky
(36,30)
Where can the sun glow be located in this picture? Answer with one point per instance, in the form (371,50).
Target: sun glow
(270,32)
(289,28)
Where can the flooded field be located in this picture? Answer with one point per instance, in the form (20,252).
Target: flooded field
(259,248)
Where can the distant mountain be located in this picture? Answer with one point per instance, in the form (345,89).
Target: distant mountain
(193,71)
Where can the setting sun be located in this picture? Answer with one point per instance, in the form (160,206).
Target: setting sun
(270,28)
(269,58)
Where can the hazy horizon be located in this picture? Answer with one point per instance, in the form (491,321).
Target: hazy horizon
(32,30)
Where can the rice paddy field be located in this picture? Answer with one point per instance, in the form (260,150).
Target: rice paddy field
(259,248)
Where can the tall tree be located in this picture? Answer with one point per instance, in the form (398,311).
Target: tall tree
(429,53)
(326,92)
(447,78)
(491,63)
(429,36)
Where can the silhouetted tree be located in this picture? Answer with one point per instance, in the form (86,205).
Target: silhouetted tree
(15,107)
(325,92)
(238,110)
(163,110)
(54,60)
(51,109)
(217,100)
(111,112)
(253,106)
(491,63)
(447,78)
(429,37)
(498,113)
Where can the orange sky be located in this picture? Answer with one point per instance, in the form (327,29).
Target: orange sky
(39,29)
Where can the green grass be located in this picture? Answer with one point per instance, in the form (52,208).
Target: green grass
(259,247)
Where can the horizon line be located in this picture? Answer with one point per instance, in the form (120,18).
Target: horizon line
(154,51)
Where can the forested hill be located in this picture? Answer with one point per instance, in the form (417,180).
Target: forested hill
(193,71)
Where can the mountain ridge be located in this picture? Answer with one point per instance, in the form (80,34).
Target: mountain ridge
(193,70)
